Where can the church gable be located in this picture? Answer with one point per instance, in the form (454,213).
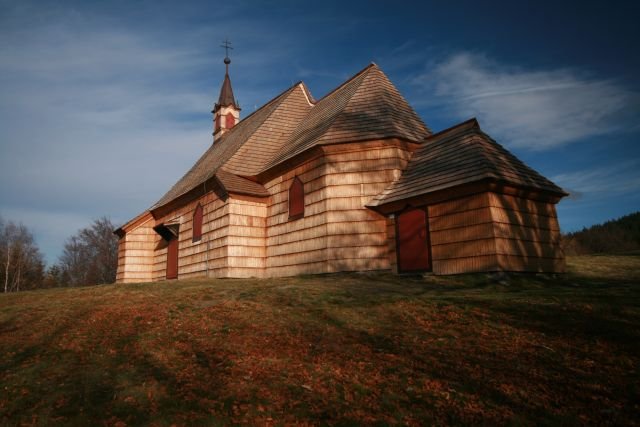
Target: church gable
(271,137)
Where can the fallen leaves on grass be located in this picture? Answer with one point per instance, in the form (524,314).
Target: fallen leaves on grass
(324,350)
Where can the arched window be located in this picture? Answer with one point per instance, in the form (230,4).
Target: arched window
(230,121)
(296,199)
(217,127)
(197,223)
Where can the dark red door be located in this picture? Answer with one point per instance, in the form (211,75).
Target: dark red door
(413,241)
(172,259)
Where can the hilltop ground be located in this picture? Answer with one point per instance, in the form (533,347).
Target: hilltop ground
(338,349)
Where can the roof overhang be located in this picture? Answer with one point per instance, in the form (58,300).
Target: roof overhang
(168,230)
(135,222)
(443,195)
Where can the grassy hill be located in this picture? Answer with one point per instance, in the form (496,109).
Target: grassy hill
(339,349)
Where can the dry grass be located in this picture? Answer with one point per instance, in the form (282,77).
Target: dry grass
(339,349)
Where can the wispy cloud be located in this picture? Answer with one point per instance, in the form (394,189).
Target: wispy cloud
(604,181)
(90,106)
(531,109)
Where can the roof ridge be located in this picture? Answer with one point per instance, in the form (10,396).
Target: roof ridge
(467,124)
(219,145)
(326,122)
(349,80)
(488,140)
(340,114)
(265,105)
(393,88)
(459,155)
(307,92)
(276,101)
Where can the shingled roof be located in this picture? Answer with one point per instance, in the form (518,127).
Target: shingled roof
(366,107)
(461,155)
(224,149)
(260,147)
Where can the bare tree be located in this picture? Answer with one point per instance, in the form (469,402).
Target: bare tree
(91,256)
(23,266)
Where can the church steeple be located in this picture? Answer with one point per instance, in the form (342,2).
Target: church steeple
(226,112)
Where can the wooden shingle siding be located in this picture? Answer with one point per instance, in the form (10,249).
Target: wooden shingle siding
(491,231)
(458,156)
(337,186)
(508,216)
(523,205)
(135,254)
(527,235)
(337,233)
(473,264)
(192,256)
(462,235)
(461,219)
(358,237)
(246,252)
(392,254)
(297,246)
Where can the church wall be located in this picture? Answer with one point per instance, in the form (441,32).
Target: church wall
(297,246)
(208,256)
(462,239)
(492,232)
(135,254)
(246,238)
(392,249)
(337,232)
(527,234)
(358,238)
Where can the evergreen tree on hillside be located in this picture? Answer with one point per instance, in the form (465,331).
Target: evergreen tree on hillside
(619,235)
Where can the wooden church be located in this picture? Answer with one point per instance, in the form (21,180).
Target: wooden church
(354,181)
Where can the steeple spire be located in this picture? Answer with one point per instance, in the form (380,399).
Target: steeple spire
(226,112)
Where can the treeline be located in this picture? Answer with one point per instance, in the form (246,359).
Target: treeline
(89,257)
(22,262)
(618,235)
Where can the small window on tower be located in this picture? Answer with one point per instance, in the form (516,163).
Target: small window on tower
(230,121)
(217,128)
(296,199)
(197,223)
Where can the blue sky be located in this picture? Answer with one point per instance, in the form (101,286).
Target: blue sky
(104,105)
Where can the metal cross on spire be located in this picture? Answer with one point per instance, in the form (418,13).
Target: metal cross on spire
(226,44)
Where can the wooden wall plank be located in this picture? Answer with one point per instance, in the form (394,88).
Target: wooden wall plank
(475,263)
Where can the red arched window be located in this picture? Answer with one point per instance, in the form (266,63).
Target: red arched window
(230,121)
(197,223)
(296,199)
(217,123)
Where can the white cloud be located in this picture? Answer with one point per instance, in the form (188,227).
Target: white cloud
(537,110)
(603,181)
(101,113)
